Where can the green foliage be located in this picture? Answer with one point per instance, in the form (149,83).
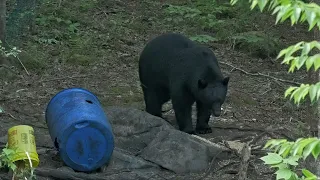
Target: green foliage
(6,160)
(287,154)
(7,53)
(296,62)
(62,29)
(183,12)
(203,38)
(304,12)
(294,9)
(258,42)
(218,17)
(62,32)
(206,18)
(6,157)
(48,20)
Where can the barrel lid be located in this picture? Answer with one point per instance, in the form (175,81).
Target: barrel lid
(87,149)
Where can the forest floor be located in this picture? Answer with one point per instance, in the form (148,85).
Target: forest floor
(102,56)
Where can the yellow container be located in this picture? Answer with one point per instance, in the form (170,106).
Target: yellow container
(22,139)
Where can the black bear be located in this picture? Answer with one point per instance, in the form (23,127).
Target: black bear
(171,66)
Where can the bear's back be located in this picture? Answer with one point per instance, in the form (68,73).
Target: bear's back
(158,54)
(194,63)
(165,46)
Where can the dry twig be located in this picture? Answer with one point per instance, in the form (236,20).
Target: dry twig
(23,66)
(260,74)
(241,128)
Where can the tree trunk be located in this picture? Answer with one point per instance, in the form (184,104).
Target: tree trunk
(2,28)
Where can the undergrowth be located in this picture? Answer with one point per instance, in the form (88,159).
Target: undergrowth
(223,23)
(83,32)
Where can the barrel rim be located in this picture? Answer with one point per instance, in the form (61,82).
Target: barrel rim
(65,91)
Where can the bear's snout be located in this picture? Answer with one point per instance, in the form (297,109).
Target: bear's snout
(216,113)
(216,110)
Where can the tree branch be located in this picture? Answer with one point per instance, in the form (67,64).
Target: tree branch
(260,74)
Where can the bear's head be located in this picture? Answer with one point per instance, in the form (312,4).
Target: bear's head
(213,93)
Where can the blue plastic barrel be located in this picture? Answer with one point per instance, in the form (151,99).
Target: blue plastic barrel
(80,129)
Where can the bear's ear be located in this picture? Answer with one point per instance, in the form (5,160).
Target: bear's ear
(225,81)
(202,83)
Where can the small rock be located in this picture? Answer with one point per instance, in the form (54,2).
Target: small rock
(236,145)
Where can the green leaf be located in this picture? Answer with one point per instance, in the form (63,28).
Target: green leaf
(272,158)
(288,13)
(296,13)
(233,2)
(309,174)
(273,4)
(262,4)
(309,62)
(311,15)
(283,173)
(316,151)
(277,9)
(289,91)
(298,150)
(313,93)
(310,147)
(254,3)
(300,93)
(301,61)
(288,59)
(285,149)
(284,51)
(282,12)
(316,61)
(293,49)
(293,160)
(306,49)
(274,142)
(280,166)
(7,151)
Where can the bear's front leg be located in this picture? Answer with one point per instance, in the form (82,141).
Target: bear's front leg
(203,116)
(182,110)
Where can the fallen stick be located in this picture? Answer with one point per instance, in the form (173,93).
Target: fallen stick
(260,74)
(245,157)
(241,128)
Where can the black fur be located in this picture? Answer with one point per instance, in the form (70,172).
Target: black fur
(173,67)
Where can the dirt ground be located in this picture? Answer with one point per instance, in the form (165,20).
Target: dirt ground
(254,109)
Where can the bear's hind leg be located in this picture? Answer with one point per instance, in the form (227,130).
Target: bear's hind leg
(154,99)
(203,116)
